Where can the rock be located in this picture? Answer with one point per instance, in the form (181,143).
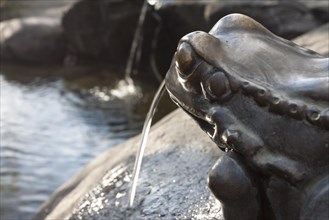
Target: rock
(92,29)
(317,40)
(11,9)
(172,181)
(33,40)
(99,31)
(102,30)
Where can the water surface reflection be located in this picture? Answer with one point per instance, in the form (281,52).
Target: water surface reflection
(51,128)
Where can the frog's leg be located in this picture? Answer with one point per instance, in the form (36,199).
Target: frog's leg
(317,201)
(249,145)
(234,185)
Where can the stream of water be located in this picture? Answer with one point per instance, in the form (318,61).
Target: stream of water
(135,50)
(144,136)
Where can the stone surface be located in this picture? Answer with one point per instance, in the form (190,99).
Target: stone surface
(11,9)
(103,32)
(36,40)
(317,40)
(172,182)
(101,29)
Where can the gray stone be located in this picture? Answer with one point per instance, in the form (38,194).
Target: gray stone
(172,182)
(317,40)
(36,40)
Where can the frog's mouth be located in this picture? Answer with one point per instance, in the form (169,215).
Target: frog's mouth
(207,126)
(184,77)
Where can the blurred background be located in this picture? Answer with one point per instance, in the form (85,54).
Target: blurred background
(77,78)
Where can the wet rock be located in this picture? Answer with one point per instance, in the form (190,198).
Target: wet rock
(11,9)
(172,183)
(317,40)
(103,31)
(33,40)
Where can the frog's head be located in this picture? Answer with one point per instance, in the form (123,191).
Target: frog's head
(241,71)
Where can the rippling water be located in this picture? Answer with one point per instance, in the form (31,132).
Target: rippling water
(48,132)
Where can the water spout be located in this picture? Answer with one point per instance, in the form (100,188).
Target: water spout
(144,136)
(136,42)
(135,55)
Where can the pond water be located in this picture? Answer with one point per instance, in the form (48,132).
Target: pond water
(52,126)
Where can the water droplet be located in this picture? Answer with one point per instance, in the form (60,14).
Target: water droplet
(224,138)
(120,194)
(118,184)
(127,179)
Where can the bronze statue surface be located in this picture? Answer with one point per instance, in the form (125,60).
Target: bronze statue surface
(265,101)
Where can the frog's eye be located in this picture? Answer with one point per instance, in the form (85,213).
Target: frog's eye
(217,87)
(186,59)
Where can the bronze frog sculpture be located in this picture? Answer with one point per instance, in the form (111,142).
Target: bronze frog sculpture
(264,100)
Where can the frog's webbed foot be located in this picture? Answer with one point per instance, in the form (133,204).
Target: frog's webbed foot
(234,185)
(317,201)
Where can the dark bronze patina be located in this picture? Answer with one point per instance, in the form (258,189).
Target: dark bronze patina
(265,101)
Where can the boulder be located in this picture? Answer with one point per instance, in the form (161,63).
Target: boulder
(22,9)
(103,32)
(317,40)
(32,40)
(172,183)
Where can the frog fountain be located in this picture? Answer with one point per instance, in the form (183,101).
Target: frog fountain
(265,102)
